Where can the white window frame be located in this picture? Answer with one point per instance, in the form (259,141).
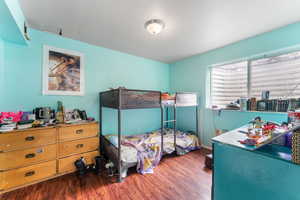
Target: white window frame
(248,60)
(209,105)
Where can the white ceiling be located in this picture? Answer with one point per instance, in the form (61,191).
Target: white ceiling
(192,26)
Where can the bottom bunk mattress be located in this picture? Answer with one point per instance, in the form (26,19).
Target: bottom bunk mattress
(145,149)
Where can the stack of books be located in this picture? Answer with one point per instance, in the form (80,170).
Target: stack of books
(24,124)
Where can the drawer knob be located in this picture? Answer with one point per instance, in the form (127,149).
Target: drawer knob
(30,155)
(29,138)
(30,173)
(79,131)
(79,145)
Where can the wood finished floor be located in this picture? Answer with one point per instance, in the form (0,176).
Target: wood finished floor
(176,178)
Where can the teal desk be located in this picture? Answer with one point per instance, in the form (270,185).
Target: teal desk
(241,173)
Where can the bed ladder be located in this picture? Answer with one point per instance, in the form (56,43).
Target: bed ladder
(167,122)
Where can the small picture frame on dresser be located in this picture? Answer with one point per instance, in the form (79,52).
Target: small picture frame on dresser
(72,116)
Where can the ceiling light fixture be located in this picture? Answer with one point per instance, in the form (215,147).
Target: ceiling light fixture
(154,26)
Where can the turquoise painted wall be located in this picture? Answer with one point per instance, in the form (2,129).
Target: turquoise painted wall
(104,68)
(191,74)
(21,72)
(12,22)
(17,13)
(1,67)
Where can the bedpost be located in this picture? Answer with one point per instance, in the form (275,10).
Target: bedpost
(100,125)
(119,138)
(162,125)
(174,127)
(197,121)
(167,116)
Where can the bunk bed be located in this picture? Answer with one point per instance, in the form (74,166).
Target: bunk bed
(124,99)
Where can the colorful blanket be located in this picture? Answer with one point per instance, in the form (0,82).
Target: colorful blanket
(145,149)
(148,151)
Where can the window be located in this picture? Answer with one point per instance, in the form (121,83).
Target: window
(229,83)
(280,75)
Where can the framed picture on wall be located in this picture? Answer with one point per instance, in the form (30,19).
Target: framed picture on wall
(63,72)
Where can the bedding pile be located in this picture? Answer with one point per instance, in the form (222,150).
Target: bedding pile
(145,149)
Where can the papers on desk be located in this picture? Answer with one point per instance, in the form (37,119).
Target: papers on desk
(233,137)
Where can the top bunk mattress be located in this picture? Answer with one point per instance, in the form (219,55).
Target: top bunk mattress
(130,99)
(181,99)
(140,99)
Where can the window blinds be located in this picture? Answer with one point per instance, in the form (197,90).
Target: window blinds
(280,75)
(228,83)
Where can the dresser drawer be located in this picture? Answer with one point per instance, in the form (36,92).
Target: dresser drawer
(21,176)
(27,139)
(67,164)
(78,146)
(20,158)
(78,131)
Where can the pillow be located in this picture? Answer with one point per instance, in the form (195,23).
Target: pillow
(113,139)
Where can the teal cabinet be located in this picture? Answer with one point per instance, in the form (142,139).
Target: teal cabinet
(241,174)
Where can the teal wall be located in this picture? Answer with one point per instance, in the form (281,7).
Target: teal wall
(191,74)
(104,68)
(1,67)
(17,13)
(12,22)
(21,75)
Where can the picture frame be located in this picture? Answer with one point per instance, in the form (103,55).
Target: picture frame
(63,72)
(72,115)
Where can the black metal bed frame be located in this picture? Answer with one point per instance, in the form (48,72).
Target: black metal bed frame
(119,106)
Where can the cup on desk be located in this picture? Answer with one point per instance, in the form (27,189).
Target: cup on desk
(243,104)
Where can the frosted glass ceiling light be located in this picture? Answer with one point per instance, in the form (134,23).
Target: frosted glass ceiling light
(154,26)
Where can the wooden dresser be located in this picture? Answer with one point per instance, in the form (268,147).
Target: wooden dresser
(38,154)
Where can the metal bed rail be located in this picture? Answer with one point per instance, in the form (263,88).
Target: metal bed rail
(116,103)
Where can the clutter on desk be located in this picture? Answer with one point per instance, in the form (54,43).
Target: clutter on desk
(10,117)
(243,104)
(24,124)
(44,113)
(264,104)
(260,132)
(292,139)
(41,117)
(59,116)
(74,116)
(265,95)
(273,105)
(7,127)
(253,105)
(296,147)
(294,118)
(232,106)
